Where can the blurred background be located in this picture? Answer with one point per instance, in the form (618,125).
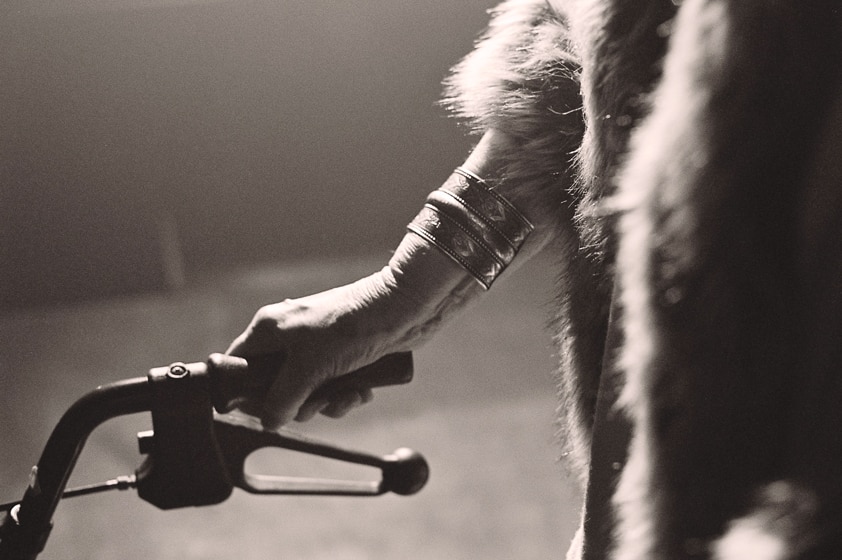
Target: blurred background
(167,167)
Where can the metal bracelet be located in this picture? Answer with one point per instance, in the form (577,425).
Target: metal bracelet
(472,224)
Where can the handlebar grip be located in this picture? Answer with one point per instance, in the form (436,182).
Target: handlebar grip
(232,378)
(392,369)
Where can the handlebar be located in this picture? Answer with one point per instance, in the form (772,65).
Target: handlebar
(195,456)
(233,378)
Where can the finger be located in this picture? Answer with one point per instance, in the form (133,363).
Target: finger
(236,347)
(343,405)
(310,408)
(251,344)
(250,407)
(262,373)
(285,398)
(314,406)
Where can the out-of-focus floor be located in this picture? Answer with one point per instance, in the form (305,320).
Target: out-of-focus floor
(480,409)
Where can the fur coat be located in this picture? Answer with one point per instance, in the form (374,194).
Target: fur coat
(692,153)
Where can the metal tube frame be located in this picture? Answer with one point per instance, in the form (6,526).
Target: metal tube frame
(24,530)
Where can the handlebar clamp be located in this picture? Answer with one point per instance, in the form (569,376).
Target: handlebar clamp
(184,465)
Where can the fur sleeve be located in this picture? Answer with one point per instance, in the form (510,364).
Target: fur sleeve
(522,76)
(522,79)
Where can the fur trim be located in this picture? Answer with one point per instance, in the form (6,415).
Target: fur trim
(522,79)
(708,263)
(522,72)
(727,249)
(621,44)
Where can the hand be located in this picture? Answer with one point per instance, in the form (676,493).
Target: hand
(302,343)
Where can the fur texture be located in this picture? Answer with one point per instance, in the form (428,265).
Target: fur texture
(709,264)
(523,78)
(712,132)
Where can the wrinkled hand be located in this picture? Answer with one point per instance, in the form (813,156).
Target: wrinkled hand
(303,343)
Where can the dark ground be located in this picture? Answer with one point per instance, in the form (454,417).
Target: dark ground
(480,409)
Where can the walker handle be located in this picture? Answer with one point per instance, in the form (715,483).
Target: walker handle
(233,378)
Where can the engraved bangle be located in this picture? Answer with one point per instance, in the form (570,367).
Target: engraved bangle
(473,225)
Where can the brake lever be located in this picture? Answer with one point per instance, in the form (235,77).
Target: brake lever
(403,472)
(195,457)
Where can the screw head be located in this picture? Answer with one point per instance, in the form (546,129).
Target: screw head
(177,370)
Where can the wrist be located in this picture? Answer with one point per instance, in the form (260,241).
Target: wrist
(421,272)
(401,305)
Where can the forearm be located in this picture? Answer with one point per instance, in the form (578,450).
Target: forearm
(431,283)
(519,89)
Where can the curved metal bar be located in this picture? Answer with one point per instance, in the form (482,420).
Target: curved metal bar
(25,528)
(23,535)
(404,471)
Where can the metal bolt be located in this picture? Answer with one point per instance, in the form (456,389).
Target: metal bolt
(177,370)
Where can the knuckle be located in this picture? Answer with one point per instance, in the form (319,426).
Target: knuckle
(263,319)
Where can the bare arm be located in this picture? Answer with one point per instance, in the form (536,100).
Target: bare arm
(519,88)
(331,333)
